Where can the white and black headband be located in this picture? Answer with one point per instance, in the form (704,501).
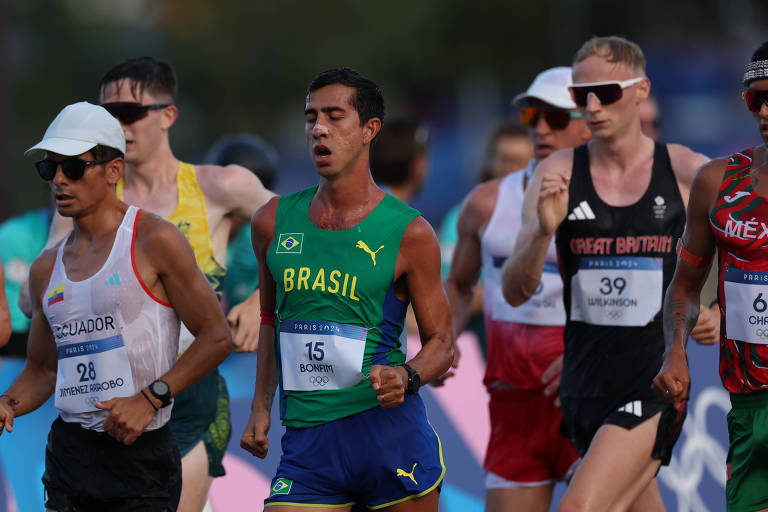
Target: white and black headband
(756,70)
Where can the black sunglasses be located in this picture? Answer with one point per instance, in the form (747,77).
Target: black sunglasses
(606,92)
(128,112)
(73,168)
(755,99)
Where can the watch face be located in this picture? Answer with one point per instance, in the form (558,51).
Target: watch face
(159,388)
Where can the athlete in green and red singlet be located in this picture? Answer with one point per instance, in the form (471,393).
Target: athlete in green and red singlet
(728,211)
(338,265)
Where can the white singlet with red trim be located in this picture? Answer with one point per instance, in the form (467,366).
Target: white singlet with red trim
(112,337)
(546,306)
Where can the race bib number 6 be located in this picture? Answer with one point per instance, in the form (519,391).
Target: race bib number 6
(318,355)
(746,300)
(618,291)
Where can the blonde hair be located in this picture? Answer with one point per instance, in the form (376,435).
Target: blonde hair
(613,49)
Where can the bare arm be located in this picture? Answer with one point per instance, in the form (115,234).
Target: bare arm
(467,256)
(60,227)
(419,263)
(681,302)
(685,163)
(37,380)
(544,209)
(254,437)
(162,247)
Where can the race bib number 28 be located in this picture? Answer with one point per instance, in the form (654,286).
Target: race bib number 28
(619,291)
(746,300)
(92,371)
(318,355)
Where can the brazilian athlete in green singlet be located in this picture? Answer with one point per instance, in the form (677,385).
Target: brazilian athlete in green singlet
(338,264)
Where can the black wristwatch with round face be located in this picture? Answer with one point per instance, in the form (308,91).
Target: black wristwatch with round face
(414,380)
(161,391)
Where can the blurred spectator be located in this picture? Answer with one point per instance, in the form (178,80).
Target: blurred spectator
(21,240)
(399,158)
(261,158)
(509,150)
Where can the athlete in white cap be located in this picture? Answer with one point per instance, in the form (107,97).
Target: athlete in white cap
(526,453)
(105,330)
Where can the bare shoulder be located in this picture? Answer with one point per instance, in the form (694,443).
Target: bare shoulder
(154,231)
(559,162)
(40,270)
(710,174)
(685,161)
(220,184)
(480,202)
(419,235)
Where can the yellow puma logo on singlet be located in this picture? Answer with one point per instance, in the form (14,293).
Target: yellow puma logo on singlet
(362,245)
(401,472)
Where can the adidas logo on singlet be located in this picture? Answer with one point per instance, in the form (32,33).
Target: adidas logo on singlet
(582,212)
(113,281)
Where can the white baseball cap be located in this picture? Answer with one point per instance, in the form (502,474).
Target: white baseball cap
(550,86)
(79,128)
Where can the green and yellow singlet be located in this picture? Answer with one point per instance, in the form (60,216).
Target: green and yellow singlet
(336,309)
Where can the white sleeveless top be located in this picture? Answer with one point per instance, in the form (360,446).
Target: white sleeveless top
(546,306)
(112,336)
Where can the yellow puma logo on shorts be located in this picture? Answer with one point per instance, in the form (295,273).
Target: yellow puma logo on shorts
(362,245)
(401,472)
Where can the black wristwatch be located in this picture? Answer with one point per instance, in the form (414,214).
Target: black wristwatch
(161,391)
(414,380)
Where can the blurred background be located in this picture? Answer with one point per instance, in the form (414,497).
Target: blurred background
(243,66)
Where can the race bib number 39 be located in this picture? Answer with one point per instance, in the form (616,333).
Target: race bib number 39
(746,300)
(92,371)
(618,291)
(321,355)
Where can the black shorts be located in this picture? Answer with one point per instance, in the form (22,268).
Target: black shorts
(88,471)
(582,417)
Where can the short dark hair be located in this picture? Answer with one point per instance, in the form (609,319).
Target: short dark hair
(101,152)
(368,100)
(397,146)
(145,74)
(249,151)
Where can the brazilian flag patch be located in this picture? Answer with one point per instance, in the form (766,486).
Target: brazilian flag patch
(290,243)
(281,486)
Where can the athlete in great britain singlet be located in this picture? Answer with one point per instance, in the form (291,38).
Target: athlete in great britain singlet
(616,263)
(202,411)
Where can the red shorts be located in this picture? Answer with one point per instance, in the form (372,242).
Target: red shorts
(526,446)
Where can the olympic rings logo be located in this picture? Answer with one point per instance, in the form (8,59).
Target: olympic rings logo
(762,333)
(615,314)
(318,381)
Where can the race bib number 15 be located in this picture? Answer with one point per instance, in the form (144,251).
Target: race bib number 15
(318,355)
(619,291)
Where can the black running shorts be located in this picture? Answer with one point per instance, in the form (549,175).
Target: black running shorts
(582,417)
(89,471)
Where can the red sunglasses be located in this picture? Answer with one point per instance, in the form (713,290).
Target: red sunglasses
(755,100)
